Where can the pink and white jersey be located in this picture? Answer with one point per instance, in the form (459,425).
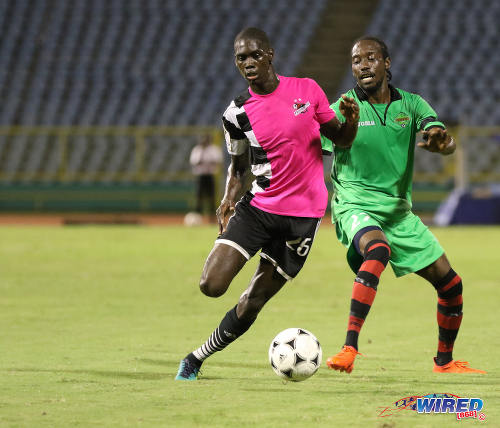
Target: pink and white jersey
(281,130)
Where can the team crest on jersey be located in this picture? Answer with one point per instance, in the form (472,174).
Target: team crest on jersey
(402,119)
(299,106)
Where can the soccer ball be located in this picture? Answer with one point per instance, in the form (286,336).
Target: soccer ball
(295,354)
(192,219)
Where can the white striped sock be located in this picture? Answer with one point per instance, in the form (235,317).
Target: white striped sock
(213,344)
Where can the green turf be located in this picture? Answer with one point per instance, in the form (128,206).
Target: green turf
(94,321)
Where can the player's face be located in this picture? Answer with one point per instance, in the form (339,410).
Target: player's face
(253,60)
(368,65)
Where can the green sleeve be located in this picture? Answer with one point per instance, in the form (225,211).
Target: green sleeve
(425,115)
(326,144)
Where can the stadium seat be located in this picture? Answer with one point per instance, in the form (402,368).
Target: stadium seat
(151,62)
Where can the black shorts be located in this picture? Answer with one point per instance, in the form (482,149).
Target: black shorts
(285,241)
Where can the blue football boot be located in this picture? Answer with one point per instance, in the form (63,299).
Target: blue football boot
(187,371)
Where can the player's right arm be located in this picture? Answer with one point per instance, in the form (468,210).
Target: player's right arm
(239,170)
(236,184)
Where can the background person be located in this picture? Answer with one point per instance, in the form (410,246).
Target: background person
(205,160)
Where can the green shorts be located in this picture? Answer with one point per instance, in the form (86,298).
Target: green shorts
(413,246)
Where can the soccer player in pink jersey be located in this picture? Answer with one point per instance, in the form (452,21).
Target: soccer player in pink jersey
(272,131)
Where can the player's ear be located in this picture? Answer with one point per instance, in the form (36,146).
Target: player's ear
(270,52)
(387,63)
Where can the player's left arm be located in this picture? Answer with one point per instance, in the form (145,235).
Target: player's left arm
(437,140)
(343,134)
(434,133)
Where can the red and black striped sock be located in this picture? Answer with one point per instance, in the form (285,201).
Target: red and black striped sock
(449,314)
(377,254)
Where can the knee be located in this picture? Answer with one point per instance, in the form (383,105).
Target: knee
(448,286)
(211,288)
(378,250)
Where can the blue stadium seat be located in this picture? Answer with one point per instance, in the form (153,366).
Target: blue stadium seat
(106,63)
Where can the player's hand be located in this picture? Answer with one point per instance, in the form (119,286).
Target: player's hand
(224,213)
(437,140)
(349,109)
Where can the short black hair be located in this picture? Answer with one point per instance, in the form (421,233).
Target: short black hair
(383,48)
(255,34)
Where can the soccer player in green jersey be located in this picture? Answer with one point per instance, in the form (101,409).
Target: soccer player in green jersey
(371,205)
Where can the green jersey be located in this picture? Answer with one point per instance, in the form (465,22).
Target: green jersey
(376,173)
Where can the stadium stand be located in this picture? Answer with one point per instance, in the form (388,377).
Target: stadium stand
(444,51)
(105,73)
(442,55)
(111,75)
(135,62)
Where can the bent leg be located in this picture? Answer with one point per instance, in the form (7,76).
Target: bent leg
(435,271)
(265,283)
(365,238)
(238,320)
(372,244)
(376,253)
(222,265)
(449,314)
(449,309)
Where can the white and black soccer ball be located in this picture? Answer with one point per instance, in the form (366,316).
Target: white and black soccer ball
(295,354)
(193,219)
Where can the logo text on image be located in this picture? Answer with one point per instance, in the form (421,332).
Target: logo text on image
(462,407)
(407,403)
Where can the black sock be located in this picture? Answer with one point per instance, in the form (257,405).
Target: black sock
(195,361)
(230,328)
(443,358)
(352,339)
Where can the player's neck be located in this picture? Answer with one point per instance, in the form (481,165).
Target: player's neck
(268,86)
(381,96)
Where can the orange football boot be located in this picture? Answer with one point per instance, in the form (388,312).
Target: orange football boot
(344,360)
(455,366)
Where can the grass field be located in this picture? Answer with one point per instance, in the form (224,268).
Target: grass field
(94,321)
